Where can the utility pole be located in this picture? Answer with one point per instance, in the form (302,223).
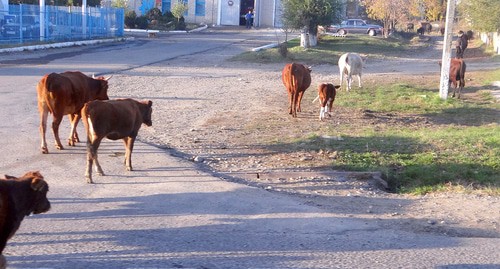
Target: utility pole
(42,20)
(446,58)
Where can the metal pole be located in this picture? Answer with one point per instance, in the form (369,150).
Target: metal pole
(42,20)
(446,58)
(84,18)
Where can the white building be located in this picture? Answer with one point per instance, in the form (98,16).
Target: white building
(219,12)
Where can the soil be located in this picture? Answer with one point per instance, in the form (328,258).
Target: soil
(231,118)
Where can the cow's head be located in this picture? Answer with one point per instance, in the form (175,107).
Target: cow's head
(102,94)
(146,112)
(39,188)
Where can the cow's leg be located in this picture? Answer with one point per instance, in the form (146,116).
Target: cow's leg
(330,104)
(73,135)
(290,102)
(44,112)
(92,147)
(129,146)
(294,104)
(299,100)
(55,129)
(359,80)
(323,108)
(349,81)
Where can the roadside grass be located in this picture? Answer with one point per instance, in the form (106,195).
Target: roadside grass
(456,147)
(328,50)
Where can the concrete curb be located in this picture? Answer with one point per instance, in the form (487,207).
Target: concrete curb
(91,42)
(65,44)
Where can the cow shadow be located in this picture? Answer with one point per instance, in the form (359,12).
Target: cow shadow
(465,116)
(216,230)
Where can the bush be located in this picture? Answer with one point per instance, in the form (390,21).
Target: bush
(142,22)
(154,14)
(180,25)
(130,19)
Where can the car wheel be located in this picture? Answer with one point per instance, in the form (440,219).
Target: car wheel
(342,32)
(372,32)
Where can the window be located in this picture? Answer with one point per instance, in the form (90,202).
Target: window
(200,8)
(186,3)
(166,5)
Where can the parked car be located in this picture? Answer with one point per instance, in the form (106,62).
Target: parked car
(29,24)
(356,26)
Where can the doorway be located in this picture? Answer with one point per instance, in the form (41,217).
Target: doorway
(245,6)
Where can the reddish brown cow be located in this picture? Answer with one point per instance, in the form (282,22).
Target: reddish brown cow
(20,197)
(457,75)
(113,119)
(63,94)
(326,95)
(296,78)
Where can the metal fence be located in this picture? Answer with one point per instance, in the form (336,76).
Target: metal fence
(28,24)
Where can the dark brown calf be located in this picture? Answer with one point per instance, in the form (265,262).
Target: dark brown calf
(20,197)
(113,119)
(326,95)
(296,78)
(65,94)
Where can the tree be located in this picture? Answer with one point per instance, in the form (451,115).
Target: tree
(307,15)
(482,14)
(120,4)
(390,12)
(179,9)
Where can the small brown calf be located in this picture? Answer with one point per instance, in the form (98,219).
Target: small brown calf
(326,95)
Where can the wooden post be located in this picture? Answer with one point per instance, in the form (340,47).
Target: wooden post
(446,58)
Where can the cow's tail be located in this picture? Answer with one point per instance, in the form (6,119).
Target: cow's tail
(462,73)
(315,99)
(293,79)
(87,122)
(45,94)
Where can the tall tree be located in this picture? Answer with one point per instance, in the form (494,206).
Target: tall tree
(307,15)
(390,12)
(483,14)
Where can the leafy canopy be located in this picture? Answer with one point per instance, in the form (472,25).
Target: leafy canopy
(309,14)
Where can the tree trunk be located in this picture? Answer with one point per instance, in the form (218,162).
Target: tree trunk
(308,40)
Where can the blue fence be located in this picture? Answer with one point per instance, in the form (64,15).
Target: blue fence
(27,24)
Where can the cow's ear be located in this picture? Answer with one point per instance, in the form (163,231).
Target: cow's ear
(37,182)
(108,78)
(337,86)
(150,103)
(10,177)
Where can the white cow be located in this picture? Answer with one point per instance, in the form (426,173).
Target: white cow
(350,64)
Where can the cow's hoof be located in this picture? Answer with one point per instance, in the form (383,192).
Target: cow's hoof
(89,180)
(45,150)
(100,173)
(59,147)
(129,168)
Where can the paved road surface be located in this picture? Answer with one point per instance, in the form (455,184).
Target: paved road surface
(168,214)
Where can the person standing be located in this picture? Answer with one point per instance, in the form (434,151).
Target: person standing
(248,18)
(462,43)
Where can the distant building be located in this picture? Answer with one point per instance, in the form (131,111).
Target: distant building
(267,13)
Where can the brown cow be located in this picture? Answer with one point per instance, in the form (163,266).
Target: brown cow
(457,75)
(326,95)
(20,197)
(113,119)
(296,78)
(66,93)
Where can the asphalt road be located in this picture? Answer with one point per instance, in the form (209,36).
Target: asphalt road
(169,214)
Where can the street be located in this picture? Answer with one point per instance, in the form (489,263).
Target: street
(169,214)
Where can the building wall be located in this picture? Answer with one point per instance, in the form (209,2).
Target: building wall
(265,11)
